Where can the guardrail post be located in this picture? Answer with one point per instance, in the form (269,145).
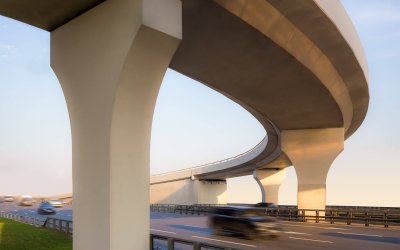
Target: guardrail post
(349,217)
(67,230)
(317,216)
(151,242)
(335,216)
(385,220)
(290,214)
(197,246)
(60,225)
(366,219)
(170,244)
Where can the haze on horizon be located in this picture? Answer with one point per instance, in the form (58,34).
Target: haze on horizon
(195,125)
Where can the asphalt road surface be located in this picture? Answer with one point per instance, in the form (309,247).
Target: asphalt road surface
(64,213)
(295,235)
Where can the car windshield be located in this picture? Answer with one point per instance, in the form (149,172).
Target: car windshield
(26,199)
(55,201)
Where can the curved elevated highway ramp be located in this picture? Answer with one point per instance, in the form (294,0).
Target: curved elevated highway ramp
(305,83)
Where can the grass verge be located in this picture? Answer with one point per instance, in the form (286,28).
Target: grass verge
(18,236)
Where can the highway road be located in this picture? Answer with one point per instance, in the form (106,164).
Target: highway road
(64,213)
(295,235)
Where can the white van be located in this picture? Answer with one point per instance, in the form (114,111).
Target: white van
(8,198)
(26,200)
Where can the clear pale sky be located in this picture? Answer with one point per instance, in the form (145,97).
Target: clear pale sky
(194,125)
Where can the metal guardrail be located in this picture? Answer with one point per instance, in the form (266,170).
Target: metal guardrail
(199,209)
(37,222)
(366,217)
(63,226)
(171,244)
(384,218)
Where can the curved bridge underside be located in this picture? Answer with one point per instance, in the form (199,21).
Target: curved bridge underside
(289,78)
(266,55)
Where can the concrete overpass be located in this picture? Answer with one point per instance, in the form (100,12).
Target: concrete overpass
(307,86)
(297,66)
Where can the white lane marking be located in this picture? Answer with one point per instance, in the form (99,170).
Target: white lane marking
(372,235)
(323,241)
(162,231)
(327,228)
(192,226)
(225,241)
(291,232)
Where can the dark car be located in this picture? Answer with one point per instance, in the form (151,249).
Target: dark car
(266,205)
(249,222)
(46,208)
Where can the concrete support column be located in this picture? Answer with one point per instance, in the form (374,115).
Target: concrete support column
(312,151)
(188,192)
(211,191)
(269,181)
(110,62)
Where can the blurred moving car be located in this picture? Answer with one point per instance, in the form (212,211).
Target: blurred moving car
(1,199)
(46,208)
(249,222)
(266,205)
(26,200)
(8,198)
(56,203)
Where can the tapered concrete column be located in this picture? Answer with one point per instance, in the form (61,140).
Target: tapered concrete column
(269,181)
(312,151)
(110,62)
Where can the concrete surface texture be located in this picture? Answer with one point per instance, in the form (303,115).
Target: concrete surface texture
(269,181)
(312,152)
(305,83)
(187,192)
(110,67)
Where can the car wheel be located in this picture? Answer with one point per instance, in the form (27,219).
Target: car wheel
(217,230)
(250,234)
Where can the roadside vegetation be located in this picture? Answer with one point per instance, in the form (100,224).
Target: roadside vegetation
(18,236)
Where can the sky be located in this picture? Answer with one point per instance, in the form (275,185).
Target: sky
(194,125)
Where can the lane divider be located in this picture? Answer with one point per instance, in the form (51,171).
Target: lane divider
(372,235)
(291,232)
(322,241)
(193,226)
(224,241)
(162,231)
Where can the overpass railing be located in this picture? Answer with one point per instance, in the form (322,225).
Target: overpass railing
(366,217)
